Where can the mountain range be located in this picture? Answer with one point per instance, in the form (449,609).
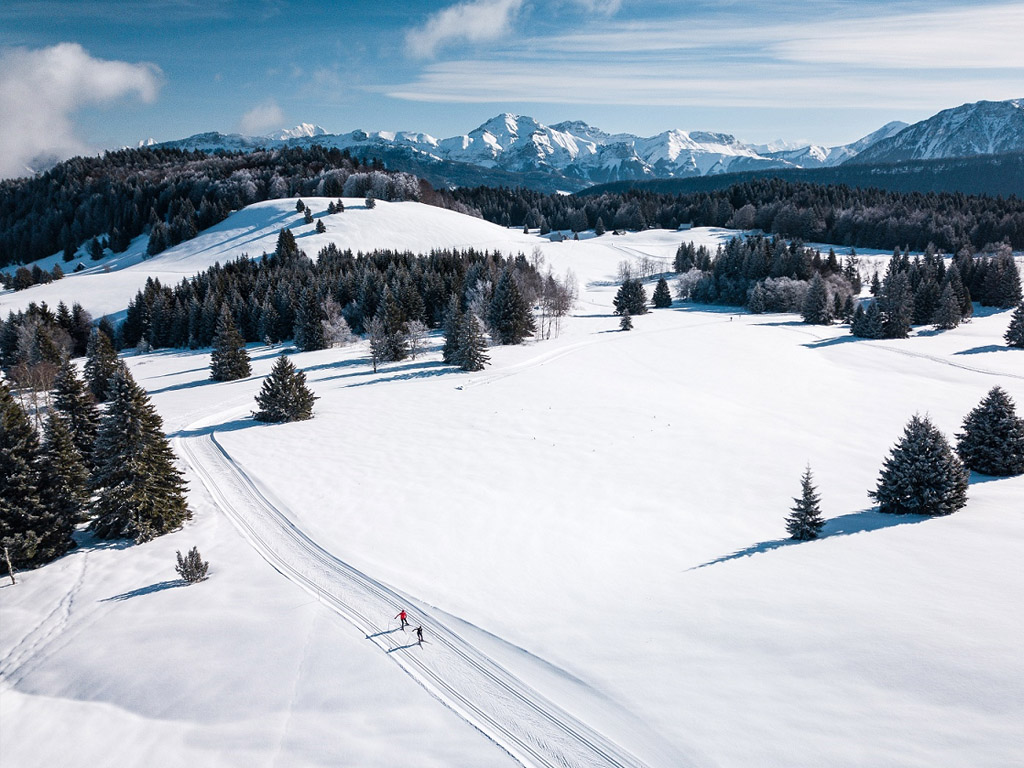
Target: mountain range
(517,150)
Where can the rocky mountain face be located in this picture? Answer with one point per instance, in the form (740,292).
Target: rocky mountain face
(981,128)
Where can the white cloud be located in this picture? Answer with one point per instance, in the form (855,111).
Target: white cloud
(261,119)
(41,89)
(475,21)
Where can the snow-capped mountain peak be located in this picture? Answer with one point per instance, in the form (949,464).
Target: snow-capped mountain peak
(301,130)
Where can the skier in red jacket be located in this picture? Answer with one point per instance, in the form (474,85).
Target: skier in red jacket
(403,616)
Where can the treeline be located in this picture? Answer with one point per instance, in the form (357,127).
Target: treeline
(106,201)
(860,217)
(287,295)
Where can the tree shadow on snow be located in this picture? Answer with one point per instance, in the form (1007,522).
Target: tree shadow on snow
(412,371)
(186,385)
(981,350)
(160,586)
(844,525)
(832,342)
(227,426)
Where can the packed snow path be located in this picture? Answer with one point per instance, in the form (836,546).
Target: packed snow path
(533,730)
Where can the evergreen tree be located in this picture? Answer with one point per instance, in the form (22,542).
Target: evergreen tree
(867,324)
(947,312)
(229,359)
(816,309)
(452,323)
(993,438)
(472,352)
(65,482)
(377,336)
(511,318)
(922,475)
(320,226)
(599,228)
(140,493)
(100,364)
(284,395)
(626,323)
(1015,332)
(756,303)
(192,568)
(396,342)
(22,513)
(806,521)
(78,407)
(631,298)
(662,297)
(309,326)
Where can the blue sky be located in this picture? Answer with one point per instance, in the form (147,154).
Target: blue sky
(78,76)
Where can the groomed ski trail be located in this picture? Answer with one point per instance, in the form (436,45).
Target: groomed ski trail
(533,730)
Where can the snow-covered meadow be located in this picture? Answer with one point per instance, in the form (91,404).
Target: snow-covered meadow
(599,516)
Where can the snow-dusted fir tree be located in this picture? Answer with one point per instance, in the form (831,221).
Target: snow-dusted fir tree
(510,317)
(1015,332)
(993,438)
(806,522)
(309,327)
(192,568)
(284,395)
(631,298)
(662,296)
(817,309)
(472,351)
(922,475)
(867,324)
(101,363)
(756,303)
(229,359)
(452,322)
(140,493)
(65,477)
(626,323)
(78,407)
(376,334)
(31,532)
(396,342)
(947,313)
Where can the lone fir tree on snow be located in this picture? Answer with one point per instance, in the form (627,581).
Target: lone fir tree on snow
(993,438)
(284,395)
(626,323)
(229,360)
(471,353)
(140,493)
(922,475)
(806,521)
(662,297)
(631,298)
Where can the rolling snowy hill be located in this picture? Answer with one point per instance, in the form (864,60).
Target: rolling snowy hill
(590,531)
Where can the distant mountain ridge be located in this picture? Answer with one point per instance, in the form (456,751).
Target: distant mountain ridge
(572,154)
(517,150)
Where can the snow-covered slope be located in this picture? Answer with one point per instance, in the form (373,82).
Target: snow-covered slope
(592,526)
(981,128)
(814,156)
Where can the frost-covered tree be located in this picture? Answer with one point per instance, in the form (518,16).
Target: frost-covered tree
(631,298)
(452,322)
(229,360)
(140,493)
(867,324)
(416,336)
(376,334)
(662,296)
(78,407)
(1015,332)
(100,364)
(626,323)
(992,441)
(947,312)
(284,395)
(806,522)
(817,309)
(472,351)
(309,328)
(922,475)
(756,302)
(510,316)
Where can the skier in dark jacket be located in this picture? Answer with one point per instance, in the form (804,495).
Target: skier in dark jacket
(403,616)
(419,635)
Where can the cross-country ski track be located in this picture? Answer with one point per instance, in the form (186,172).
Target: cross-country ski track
(530,728)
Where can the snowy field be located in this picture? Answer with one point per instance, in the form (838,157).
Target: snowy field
(590,531)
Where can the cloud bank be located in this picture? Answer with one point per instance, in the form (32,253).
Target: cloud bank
(261,119)
(470,21)
(41,89)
